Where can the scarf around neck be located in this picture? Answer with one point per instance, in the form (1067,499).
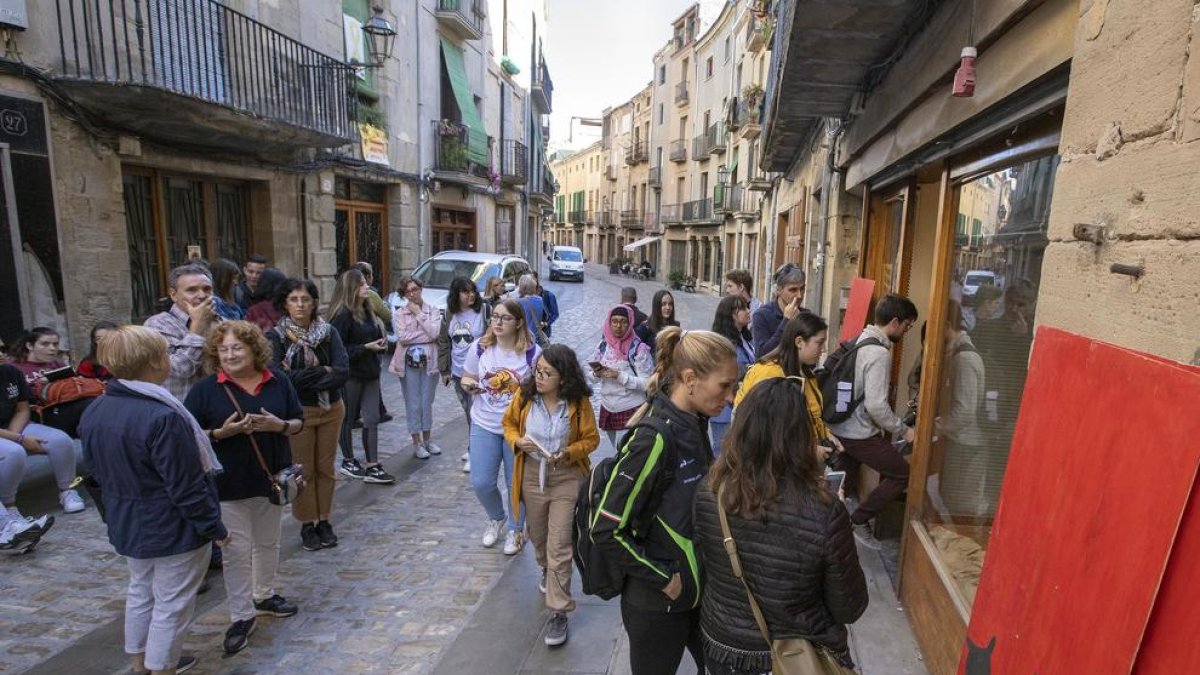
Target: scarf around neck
(302,343)
(204,449)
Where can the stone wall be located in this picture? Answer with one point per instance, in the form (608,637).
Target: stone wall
(1130,163)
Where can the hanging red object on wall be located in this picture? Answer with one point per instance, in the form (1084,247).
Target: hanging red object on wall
(964,77)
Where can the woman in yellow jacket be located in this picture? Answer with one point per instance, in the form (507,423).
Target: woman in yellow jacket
(551,425)
(800,346)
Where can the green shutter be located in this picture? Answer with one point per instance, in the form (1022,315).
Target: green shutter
(732,166)
(477,146)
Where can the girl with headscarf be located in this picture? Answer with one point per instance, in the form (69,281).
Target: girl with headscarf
(620,365)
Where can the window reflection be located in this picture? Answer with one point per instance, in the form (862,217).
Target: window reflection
(999,245)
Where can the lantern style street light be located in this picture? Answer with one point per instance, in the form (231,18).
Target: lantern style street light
(381,37)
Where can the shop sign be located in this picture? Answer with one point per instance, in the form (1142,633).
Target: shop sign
(374,143)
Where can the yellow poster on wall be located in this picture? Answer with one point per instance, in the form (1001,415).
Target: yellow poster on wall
(374,143)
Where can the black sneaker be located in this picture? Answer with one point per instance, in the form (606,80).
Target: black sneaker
(356,424)
(385,418)
(185,664)
(309,537)
(325,535)
(376,474)
(351,468)
(556,629)
(237,637)
(276,605)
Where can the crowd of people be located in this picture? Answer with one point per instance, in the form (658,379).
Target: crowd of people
(199,426)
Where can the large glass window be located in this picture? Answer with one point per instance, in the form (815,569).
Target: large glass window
(997,264)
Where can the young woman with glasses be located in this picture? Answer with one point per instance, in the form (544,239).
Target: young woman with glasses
(495,366)
(465,323)
(621,363)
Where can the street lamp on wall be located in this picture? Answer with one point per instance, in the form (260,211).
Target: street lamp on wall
(381,37)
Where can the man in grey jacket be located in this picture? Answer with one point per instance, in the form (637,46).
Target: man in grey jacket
(866,434)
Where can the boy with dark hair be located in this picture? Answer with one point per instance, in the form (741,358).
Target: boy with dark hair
(246,293)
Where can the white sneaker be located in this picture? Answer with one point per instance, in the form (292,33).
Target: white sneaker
(17,535)
(513,541)
(466,467)
(71,501)
(466,456)
(420,452)
(43,522)
(492,533)
(432,448)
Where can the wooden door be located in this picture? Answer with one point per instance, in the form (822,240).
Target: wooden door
(453,230)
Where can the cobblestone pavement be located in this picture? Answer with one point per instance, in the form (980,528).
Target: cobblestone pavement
(405,581)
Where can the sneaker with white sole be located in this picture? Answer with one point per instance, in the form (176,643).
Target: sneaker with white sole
(513,541)
(71,501)
(432,448)
(492,533)
(17,535)
(351,468)
(556,629)
(419,451)
(43,522)
(864,535)
(466,456)
(376,474)
(466,467)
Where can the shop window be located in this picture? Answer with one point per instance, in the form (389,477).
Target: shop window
(996,275)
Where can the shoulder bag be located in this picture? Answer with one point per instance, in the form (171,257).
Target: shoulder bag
(790,656)
(285,485)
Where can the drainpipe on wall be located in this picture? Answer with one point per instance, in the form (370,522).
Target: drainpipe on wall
(304,226)
(823,229)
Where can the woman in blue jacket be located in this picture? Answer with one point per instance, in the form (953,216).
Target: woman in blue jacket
(155,466)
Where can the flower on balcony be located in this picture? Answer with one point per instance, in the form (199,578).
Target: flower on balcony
(450,128)
(493,177)
(753,94)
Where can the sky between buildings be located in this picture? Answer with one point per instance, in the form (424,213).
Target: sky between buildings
(600,54)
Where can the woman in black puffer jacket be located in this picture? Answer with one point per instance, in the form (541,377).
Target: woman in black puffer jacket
(793,537)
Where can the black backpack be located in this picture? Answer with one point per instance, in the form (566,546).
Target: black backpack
(599,575)
(839,370)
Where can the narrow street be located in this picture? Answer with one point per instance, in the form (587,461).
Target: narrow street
(408,590)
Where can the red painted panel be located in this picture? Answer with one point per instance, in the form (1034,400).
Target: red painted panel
(1170,645)
(857,307)
(1102,466)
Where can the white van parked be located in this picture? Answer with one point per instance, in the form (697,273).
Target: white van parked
(566,262)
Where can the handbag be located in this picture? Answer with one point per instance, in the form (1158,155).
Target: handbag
(789,656)
(285,485)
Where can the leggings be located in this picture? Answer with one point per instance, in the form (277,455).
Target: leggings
(59,447)
(362,398)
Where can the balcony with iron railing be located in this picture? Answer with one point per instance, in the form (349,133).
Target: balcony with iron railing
(605,219)
(451,152)
(681,93)
(718,138)
(199,73)
(678,151)
(698,210)
(542,90)
(631,218)
(514,163)
(636,153)
(671,214)
(729,198)
(651,224)
(758,33)
(580,217)
(746,118)
(610,172)
(462,18)
(655,177)
(701,147)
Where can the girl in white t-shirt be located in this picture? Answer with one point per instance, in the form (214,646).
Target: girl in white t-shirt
(466,320)
(494,368)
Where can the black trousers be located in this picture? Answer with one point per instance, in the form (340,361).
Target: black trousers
(657,639)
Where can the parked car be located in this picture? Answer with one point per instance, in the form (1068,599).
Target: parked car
(976,278)
(566,262)
(438,271)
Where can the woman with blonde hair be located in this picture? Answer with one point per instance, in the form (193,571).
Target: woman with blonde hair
(644,526)
(364,338)
(249,411)
(495,366)
(155,464)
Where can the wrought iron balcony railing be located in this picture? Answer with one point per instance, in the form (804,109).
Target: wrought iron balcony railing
(610,172)
(631,217)
(580,216)
(655,179)
(697,210)
(543,87)
(672,213)
(636,152)
(681,93)
(718,138)
(678,150)
(463,18)
(161,59)
(452,150)
(700,148)
(652,225)
(605,218)
(514,163)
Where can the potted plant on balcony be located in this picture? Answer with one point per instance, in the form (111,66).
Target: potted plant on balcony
(453,145)
(753,94)
(509,67)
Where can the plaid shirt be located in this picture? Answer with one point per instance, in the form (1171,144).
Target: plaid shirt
(186,349)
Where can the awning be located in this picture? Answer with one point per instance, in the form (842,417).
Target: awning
(477,145)
(641,242)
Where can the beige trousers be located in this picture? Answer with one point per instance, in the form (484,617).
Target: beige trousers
(549,515)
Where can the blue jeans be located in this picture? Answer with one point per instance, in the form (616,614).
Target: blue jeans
(488,450)
(419,386)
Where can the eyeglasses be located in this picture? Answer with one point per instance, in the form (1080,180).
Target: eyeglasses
(412,289)
(544,374)
(300,300)
(503,318)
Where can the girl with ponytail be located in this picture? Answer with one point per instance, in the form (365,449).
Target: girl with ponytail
(644,525)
